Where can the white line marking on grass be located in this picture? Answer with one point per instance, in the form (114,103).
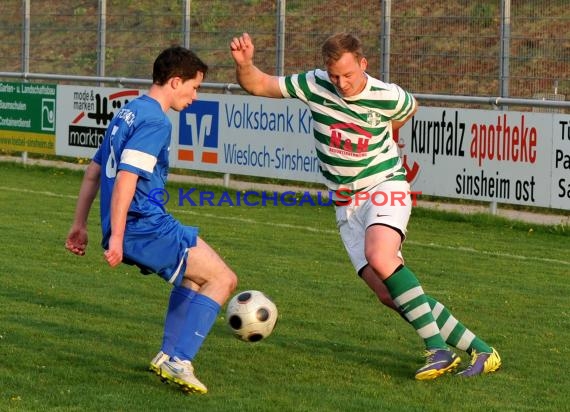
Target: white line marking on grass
(314,229)
(257,222)
(410,242)
(487,253)
(37,192)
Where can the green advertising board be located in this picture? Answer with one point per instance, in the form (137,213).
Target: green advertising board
(27,117)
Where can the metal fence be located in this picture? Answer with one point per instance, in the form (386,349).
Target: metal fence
(452,47)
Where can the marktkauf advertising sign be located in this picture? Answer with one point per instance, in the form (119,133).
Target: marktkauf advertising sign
(508,157)
(83,114)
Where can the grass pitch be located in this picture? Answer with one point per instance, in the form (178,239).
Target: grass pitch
(76,335)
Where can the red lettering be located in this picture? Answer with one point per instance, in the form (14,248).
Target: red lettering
(506,139)
(473,148)
(398,196)
(342,197)
(411,172)
(335,138)
(362,145)
(503,142)
(361,196)
(482,143)
(375,200)
(532,146)
(414,196)
(491,142)
(514,144)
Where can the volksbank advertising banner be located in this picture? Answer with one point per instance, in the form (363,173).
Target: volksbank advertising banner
(27,117)
(508,157)
(248,136)
(221,133)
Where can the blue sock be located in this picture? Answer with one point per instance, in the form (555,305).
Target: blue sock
(200,318)
(180,298)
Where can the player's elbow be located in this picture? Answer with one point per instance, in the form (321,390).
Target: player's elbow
(416,107)
(93,171)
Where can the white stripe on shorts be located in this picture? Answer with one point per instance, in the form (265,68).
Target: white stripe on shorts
(177,271)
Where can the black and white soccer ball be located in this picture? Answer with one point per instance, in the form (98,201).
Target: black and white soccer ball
(251,315)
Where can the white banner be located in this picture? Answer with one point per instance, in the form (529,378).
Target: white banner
(83,114)
(480,154)
(248,136)
(508,157)
(560,197)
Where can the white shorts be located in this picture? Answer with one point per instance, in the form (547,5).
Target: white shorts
(389,203)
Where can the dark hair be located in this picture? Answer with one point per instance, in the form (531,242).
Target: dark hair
(336,45)
(177,61)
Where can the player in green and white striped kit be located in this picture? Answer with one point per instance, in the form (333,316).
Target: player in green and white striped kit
(354,117)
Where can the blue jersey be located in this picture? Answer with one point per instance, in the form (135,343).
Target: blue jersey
(137,140)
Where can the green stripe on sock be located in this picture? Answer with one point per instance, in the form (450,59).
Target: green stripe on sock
(480,346)
(455,336)
(398,284)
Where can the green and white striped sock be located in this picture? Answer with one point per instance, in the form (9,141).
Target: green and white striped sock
(453,331)
(409,296)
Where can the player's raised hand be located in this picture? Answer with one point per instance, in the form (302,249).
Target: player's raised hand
(76,241)
(242,49)
(250,77)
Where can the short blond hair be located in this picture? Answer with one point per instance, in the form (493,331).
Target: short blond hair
(340,43)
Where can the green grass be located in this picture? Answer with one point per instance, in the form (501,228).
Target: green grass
(76,335)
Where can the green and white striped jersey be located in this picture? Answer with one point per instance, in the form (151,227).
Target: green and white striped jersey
(353,135)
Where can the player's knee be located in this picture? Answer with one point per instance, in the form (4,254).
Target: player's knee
(383,264)
(225,282)
(231,282)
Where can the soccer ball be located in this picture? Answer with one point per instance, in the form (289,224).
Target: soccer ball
(251,315)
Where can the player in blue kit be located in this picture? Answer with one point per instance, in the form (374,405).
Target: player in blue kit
(129,167)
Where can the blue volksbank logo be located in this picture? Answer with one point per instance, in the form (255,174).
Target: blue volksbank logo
(198,134)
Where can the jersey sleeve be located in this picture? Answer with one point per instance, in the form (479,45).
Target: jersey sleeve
(98,158)
(141,151)
(295,86)
(405,105)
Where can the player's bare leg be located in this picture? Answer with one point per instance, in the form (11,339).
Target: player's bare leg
(213,281)
(208,274)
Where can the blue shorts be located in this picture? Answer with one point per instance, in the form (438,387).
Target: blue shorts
(159,245)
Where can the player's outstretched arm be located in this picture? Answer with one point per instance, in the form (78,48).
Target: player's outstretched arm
(77,238)
(249,76)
